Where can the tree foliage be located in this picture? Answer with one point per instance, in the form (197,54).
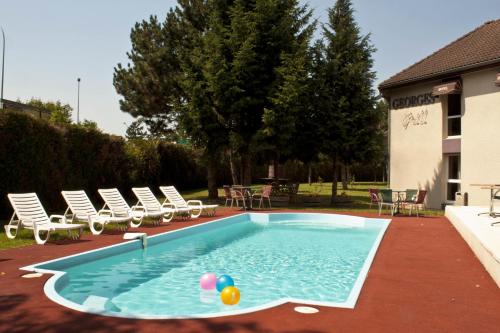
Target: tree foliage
(344,79)
(243,76)
(60,113)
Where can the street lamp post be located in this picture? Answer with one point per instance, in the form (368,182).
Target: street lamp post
(3,65)
(78,103)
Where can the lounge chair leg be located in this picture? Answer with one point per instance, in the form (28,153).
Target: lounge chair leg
(93,229)
(40,240)
(136,225)
(9,233)
(167,217)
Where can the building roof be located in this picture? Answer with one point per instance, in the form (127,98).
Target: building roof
(478,48)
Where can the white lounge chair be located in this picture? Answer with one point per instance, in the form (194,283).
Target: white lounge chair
(114,202)
(152,206)
(174,198)
(29,214)
(81,209)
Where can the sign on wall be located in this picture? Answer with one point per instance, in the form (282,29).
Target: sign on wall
(411,101)
(415,118)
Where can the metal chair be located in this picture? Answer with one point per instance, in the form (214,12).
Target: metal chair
(264,194)
(237,194)
(227,194)
(418,202)
(386,200)
(374,198)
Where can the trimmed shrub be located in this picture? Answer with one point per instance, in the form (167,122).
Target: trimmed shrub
(36,156)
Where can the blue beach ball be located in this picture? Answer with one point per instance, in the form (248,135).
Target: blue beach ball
(224,281)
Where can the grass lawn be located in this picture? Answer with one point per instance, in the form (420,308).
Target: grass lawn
(357,195)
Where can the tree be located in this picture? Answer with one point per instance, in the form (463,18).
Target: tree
(89,124)
(149,84)
(60,114)
(263,43)
(166,84)
(345,76)
(136,130)
(280,123)
(380,144)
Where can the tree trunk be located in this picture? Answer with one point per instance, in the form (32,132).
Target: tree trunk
(309,173)
(334,180)
(246,162)
(232,166)
(270,170)
(276,163)
(213,193)
(343,174)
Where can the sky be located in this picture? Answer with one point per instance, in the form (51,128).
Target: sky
(51,43)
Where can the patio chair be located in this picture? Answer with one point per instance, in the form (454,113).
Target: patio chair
(176,201)
(81,209)
(410,196)
(265,193)
(151,206)
(374,198)
(29,214)
(238,195)
(386,200)
(418,202)
(227,194)
(118,207)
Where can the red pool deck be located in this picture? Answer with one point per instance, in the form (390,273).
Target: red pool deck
(424,279)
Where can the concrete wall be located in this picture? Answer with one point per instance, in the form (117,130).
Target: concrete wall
(480,134)
(415,141)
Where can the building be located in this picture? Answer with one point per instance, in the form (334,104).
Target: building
(444,119)
(34,111)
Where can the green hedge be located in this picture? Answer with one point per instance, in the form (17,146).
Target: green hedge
(36,156)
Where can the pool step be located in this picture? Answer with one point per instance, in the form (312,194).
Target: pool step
(137,235)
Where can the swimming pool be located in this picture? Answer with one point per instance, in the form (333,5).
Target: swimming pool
(317,259)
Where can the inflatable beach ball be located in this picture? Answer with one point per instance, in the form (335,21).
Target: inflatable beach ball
(230,295)
(224,281)
(208,281)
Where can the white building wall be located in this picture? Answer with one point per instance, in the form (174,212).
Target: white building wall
(415,141)
(480,134)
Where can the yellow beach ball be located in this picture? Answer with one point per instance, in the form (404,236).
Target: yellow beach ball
(230,295)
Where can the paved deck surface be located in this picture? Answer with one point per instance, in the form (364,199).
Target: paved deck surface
(424,279)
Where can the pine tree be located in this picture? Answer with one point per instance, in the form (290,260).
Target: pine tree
(348,115)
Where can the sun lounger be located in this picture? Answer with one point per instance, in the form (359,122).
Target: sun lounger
(81,209)
(114,202)
(151,205)
(174,198)
(29,214)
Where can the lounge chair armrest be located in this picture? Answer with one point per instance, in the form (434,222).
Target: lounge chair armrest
(105,212)
(194,203)
(137,208)
(169,205)
(58,218)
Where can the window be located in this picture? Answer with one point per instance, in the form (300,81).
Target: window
(454,115)
(453,184)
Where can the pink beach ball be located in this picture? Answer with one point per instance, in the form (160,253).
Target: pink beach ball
(208,281)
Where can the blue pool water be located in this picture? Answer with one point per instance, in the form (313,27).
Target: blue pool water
(308,258)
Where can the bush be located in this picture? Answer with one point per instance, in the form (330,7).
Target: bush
(39,157)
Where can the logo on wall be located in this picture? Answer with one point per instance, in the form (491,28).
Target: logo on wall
(415,118)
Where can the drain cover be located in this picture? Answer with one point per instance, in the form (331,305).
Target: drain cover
(306,309)
(32,275)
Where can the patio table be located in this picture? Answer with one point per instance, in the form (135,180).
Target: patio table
(399,200)
(494,195)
